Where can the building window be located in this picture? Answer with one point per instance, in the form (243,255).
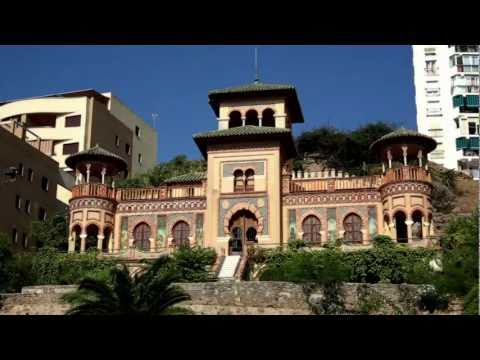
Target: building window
(44,183)
(30,175)
(72,121)
(18,202)
(311,229)
(70,148)
(137,131)
(353,229)
(127,149)
(27,206)
(235,119)
(24,240)
(42,214)
(140,160)
(238,183)
(430,67)
(14,235)
(20,169)
(472,128)
(117,141)
(249,180)
(181,232)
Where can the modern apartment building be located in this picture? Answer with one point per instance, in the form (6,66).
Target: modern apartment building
(32,196)
(447,99)
(75,121)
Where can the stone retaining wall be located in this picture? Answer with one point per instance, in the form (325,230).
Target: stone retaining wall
(250,298)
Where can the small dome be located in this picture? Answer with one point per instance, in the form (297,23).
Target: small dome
(98,154)
(404,136)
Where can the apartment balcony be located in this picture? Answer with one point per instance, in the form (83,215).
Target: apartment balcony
(465,89)
(473,69)
(467,143)
(431,72)
(466,48)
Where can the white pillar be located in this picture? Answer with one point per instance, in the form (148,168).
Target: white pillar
(260,121)
(404,149)
(82,242)
(243,120)
(383,168)
(100,242)
(389,157)
(104,171)
(88,173)
(420,158)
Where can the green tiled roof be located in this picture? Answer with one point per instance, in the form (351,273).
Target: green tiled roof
(403,134)
(252,87)
(96,153)
(192,177)
(242,131)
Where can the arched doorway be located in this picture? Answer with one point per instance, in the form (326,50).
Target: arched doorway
(417,226)
(402,233)
(243,230)
(353,229)
(251,118)
(92,237)
(181,231)
(311,229)
(141,237)
(76,231)
(107,233)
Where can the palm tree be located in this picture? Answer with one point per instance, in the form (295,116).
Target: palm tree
(147,293)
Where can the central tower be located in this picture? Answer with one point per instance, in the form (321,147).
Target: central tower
(245,157)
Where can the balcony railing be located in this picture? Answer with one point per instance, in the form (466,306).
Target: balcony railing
(407,173)
(329,185)
(131,194)
(93,190)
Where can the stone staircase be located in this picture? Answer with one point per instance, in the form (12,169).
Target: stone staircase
(229,267)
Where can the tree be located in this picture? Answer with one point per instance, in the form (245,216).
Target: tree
(6,263)
(156,176)
(50,233)
(347,150)
(147,293)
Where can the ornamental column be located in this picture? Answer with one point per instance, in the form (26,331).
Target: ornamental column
(420,158)
(83,237)
(405,149)
(389,157)
(100,242)
(104,171)
(88,172)
(409,224)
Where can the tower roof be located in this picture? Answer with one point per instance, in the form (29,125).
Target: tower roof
(249,133)
(407,136)
(96,153)
(258,90)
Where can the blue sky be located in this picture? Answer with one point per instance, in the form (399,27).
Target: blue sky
(345,86)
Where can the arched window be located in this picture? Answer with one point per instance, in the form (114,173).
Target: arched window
(417,231)
(76,231)
(311,229)
(249,180)
(180,232)
(92,237)
(235,119)
(353,229)
(238,182)
(251,234)
(141,237)
(107,233)
(267,118)
(251,118)
(402,234)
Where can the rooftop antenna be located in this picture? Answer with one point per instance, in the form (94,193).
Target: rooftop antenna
(154,118)
(257,77)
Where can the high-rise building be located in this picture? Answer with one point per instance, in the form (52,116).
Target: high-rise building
(447,99)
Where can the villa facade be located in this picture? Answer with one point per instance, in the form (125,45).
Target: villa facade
(250,194)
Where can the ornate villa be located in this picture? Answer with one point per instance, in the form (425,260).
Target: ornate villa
(249,194)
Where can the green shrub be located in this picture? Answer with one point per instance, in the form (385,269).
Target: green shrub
(192,263)
(383,240)
(471,302)
(431,300)
(6,263)
(296,244)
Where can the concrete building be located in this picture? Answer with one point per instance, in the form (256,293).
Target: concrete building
(32,196)
(75,121)
(447,98)
(249,195)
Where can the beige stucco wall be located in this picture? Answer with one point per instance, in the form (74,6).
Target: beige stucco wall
(63,107)
(216,160)
(145,144)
